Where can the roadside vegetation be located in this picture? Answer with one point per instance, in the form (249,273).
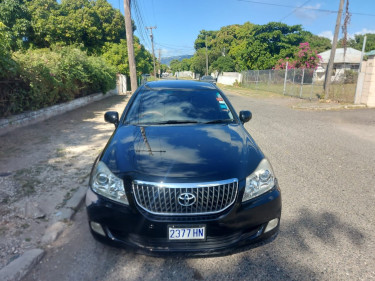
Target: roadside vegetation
(249,47)
(258,47)
(54,51)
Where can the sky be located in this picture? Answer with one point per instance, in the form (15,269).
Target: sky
(178,22)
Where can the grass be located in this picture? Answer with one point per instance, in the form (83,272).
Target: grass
(26,180)
(342,92)
(248,91)
(338,92)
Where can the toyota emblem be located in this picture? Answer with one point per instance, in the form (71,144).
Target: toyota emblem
(186,199)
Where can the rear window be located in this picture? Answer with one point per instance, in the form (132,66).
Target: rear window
(151,106)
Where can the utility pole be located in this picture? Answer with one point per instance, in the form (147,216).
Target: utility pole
(159,63)
(152,43)
(333,51)
(129,42)
(206,57)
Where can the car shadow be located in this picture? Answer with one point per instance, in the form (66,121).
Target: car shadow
(286,256)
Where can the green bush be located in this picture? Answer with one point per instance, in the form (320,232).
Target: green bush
(351,76)
(46,77)
(7,65)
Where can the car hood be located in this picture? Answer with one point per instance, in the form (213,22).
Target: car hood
(183,153)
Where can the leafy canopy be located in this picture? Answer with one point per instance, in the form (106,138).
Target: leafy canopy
(250,46)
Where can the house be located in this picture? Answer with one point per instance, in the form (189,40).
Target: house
(350,61)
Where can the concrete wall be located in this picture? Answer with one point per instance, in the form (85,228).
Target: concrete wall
(121,84)
(184,74)
(28,118)
(229,78)
(368,83)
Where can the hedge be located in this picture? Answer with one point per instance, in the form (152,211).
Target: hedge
(45,77)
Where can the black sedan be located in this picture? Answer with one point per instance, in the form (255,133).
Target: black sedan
(180,173)
(209,79)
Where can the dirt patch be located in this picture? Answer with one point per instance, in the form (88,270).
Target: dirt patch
(41,166)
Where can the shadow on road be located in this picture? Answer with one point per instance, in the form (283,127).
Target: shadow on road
(291,256)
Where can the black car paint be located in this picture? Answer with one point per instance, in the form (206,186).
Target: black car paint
(182,153)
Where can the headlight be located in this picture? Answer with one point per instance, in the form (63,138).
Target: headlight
(105,183)
(260,181)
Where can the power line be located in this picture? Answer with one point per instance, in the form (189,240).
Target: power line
(173,46)
(153,12)
(142,28)
(305,8)
(294,10)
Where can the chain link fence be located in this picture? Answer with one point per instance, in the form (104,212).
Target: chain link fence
(303,83)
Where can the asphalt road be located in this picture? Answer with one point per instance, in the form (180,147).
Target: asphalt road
(325,163)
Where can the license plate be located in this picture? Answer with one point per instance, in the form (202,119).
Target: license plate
(187,233)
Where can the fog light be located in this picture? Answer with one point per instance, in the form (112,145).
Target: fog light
(271,225)
(96,227)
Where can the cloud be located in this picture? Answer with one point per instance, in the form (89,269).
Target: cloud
(365,31)
(327,34)
(306,13)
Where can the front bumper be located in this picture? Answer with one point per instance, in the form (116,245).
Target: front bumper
(242,224)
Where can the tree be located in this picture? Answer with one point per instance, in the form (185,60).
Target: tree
(223,64)
(117,55)
(198,62)
(318,43)
(304,58)
(85,23)
(46,23)
(357,42)
(200,42)
(185,64)
(175,65)
(15,16)
(7,64)
(253,46)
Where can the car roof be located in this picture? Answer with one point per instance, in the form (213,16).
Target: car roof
(179,84)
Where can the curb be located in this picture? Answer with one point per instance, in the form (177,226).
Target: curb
(20,267)
(32,117)
(71,207)
(335,107)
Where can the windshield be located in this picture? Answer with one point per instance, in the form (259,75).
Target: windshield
(178,106)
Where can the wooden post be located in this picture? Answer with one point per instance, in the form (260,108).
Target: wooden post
(129,42)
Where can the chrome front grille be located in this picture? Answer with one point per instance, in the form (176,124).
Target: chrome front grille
(185,198)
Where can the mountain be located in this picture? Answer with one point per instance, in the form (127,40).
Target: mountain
(168,60)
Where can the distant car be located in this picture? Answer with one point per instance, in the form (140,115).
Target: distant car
(180,173)
(209,79)
(145,78)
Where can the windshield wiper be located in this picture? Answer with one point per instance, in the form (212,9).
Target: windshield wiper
(219,121)
(171,122)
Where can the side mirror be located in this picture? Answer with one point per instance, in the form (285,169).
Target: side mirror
(111,117)
(245,116)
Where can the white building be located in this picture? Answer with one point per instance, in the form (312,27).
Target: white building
(350,61)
